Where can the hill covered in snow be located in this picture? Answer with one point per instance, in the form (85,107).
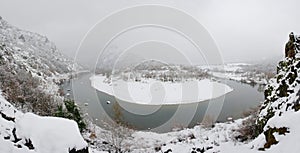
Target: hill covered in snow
(31,70)
(36,53)
(32,53)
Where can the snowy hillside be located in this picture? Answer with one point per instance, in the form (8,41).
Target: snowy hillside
(31,70)
(32,53)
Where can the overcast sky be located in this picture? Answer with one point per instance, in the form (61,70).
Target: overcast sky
(243,29)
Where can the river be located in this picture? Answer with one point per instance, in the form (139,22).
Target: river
(99,106)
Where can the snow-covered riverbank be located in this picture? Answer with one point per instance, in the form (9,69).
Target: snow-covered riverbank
(145,91)
(242,72)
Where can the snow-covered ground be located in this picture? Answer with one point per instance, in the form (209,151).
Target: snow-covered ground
(30,133)
(142,92)
(220,138)
(50,134)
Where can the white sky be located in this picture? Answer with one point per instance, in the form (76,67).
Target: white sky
(243,29)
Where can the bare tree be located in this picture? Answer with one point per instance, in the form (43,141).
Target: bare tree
(118,137)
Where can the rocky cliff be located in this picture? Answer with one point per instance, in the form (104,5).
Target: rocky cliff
(279,115)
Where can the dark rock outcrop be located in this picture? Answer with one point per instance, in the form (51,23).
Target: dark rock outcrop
(84,150)
(282,95)
(291,47)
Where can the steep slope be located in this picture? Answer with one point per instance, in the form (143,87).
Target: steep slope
(31,69)
(278,119)
(33,53)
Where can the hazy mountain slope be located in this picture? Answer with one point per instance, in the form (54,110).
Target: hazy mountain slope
(32,53)
(31,69)
(33,49)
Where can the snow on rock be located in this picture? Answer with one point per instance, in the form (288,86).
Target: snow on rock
(143,92)
(50,134)
(278,119)
(8,147)
(8,112)
(290,120)
(6,108)
(47,134)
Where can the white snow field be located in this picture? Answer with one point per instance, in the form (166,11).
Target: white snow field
(146,91)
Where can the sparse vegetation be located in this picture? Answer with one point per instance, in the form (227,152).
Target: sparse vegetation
(208,121)
(24,92)
(71,111)
(158,71)
(118,137)
(249,129)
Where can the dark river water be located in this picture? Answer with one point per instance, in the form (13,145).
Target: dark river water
(101,107)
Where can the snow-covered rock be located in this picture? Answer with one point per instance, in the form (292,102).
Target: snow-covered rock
(22,133)
(277,120)
(50,134)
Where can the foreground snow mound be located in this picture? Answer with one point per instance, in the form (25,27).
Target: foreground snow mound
(22,133)
(149,90)
(50,134)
